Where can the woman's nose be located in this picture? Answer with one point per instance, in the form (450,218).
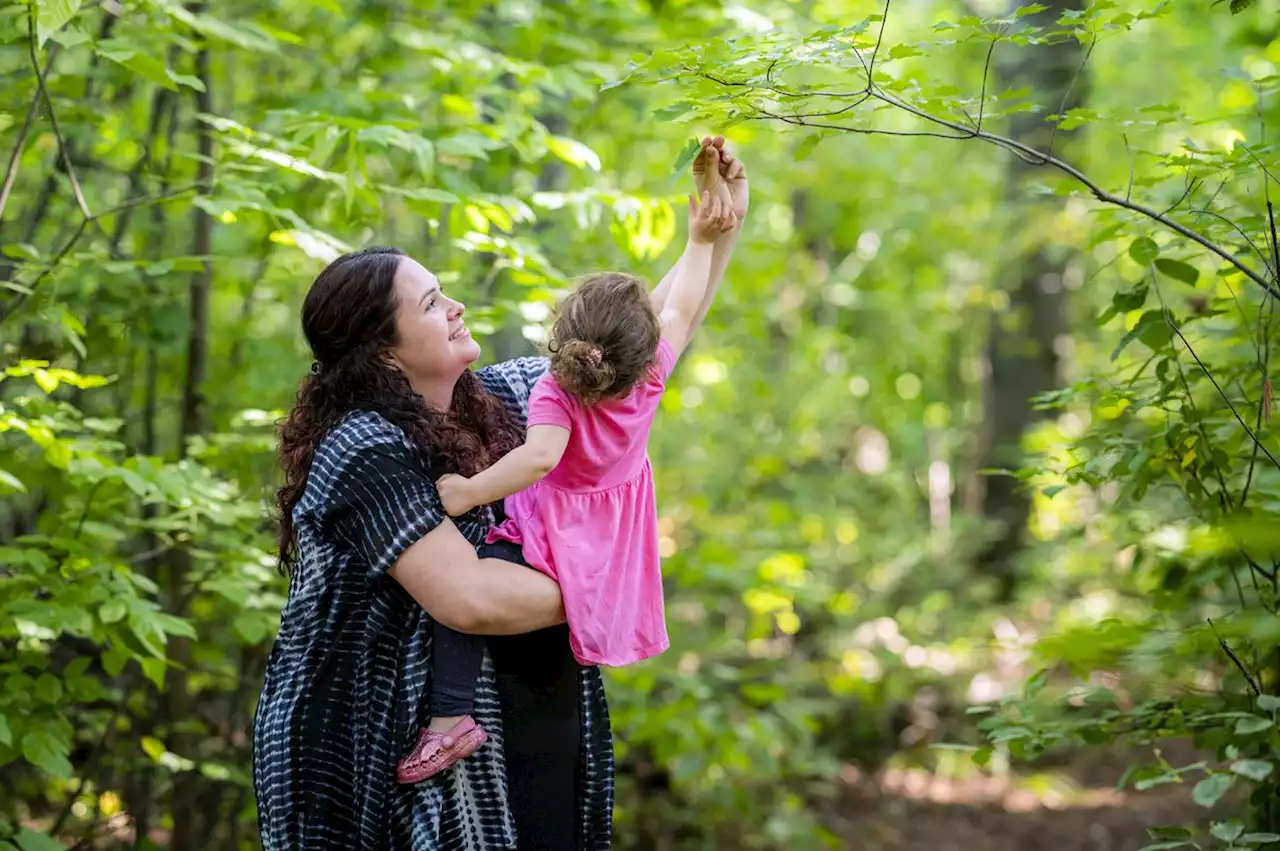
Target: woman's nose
(457,309)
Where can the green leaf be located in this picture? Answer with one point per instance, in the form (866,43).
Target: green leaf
(71,37)
(29,840)
(114,658)
(1144,251)
(48,689)
(1164,846)
(1211,789)
(52,15)
(1268,702)
(10,481)
(1258,838)
(47,752)
(1036,683)
(1152,329)
(44,380)
(153,747)
(113,611)
(672,111)
(153,670)
(1178,270)
(1227,831)
(250,36)
(806,146)
(1130,299)
(6,737)
(573,152)
(1253,724)
(1032,9)
(143,64)
(685,158)
(1254,769)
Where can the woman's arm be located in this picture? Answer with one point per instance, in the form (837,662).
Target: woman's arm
(482,596)
(541,451)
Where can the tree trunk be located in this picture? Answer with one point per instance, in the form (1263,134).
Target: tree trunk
(1021,357)
(178,705)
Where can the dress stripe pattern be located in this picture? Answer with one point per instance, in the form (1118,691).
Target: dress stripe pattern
(349,673)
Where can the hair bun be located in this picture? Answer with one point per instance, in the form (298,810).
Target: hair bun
(583,370)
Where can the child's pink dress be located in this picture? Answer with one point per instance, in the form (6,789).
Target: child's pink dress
(592,523)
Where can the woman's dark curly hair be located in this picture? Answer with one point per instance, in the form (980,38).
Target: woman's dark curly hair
(349,319)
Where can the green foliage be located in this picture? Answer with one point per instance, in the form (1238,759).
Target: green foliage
(814,455)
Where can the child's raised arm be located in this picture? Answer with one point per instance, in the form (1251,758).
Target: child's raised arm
(707,221)
(541,451)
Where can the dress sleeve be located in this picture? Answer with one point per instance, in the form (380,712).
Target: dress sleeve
(549,405)
(665,360)
(381,502)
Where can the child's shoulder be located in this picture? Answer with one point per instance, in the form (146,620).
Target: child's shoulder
(547,389)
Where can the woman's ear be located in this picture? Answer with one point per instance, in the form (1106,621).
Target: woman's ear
(389,359)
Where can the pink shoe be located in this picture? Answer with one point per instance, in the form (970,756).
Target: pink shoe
(435,752)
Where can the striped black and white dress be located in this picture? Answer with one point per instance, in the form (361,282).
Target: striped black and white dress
(350,668)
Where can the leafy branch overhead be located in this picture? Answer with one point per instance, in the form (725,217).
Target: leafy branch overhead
(746,79)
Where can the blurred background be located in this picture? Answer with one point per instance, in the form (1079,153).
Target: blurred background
(968,490)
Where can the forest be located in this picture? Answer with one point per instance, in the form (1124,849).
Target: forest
(969,492)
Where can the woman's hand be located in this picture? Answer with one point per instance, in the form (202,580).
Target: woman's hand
(455,494)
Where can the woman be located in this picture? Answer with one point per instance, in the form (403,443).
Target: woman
(391,405)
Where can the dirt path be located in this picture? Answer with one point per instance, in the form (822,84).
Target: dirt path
(1068,808)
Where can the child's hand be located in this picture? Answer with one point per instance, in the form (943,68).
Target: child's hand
(709,219)
(455,494)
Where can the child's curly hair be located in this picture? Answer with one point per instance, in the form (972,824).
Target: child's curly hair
(604,337)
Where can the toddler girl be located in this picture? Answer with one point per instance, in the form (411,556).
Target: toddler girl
(578,493)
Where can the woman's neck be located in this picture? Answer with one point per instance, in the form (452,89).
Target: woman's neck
(436,392)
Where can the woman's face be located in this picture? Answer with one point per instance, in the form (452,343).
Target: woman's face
(434,343)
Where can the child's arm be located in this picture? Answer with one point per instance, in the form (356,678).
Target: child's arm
(518,469)
(707,177)
(680,312)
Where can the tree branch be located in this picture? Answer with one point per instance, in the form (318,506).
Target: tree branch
(1235,413)
(1026,152)
(11,173)
(21,296)
(43,90)
(1234,658)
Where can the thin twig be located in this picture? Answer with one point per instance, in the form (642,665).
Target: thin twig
(1256,250)
(94,756)
(9,309)
(986,73)
(884,22)
(1258,162)
(1252,436)
(1053,138)
(1234,658)
(1128,191)
(1190,187)
(11,174)
(53,115)
(1264,342)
